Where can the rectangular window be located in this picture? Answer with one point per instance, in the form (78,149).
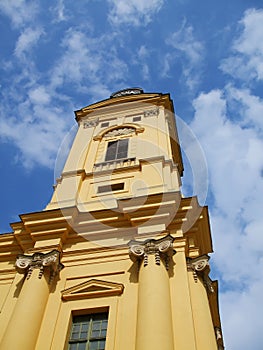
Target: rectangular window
(88,332)
(111,188)
(117,149)
(136,119)
(105,124)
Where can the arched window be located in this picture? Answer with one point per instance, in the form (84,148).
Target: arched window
(117,145)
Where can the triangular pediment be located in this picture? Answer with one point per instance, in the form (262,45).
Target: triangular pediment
(92,289)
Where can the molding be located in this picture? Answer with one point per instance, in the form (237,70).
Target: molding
(92,289)
(121,102)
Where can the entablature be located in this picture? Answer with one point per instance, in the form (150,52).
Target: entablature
(58,228)
(125,102)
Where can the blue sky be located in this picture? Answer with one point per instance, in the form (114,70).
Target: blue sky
(58,56)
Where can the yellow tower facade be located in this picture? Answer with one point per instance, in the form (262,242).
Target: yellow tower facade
(119,258)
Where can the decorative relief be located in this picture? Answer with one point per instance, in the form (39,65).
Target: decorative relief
(200,265)
(126,129)
(160,248)
(27,263)
(125,92)
(120,132)
(151,112)
(218,333)
(91,123)
(200,268)
(219,338)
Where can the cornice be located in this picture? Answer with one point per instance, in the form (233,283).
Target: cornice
(111,103)
(54,229)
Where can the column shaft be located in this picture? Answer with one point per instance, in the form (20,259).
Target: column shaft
(154,320)
(204,330)
(23,327)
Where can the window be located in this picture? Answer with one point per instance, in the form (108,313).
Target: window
(136,119)
(111,188)
(88,332)
(117,149)
(105,124)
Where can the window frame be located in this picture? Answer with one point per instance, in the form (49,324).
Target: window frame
(119,186)
(105,124)
(87,336)
(114,153)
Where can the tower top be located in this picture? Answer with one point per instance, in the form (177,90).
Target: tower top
(129,91)
(122,99)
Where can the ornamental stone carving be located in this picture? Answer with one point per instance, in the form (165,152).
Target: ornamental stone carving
(125,92)
(27,263)
(200,265)
(218,333)
(151,112)
(120,132)
(90,123)
(200,268)
(161,248)
(219,338)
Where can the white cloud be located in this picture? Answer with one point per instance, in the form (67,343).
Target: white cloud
(36,127)
(40,113)
(27,40)
(59,11)
(233,148)
(188,51)
(168,60)
(133,12)
(247,60)
(20,12)
(233,152)
(88,62)
(241,316)
(39,95)
(183,40)
(252,107)
(252,36)
(141,59)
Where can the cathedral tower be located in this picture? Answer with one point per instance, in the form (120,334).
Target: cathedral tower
(119,258)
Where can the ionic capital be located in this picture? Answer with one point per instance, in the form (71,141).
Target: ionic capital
(201,263)
(201,268)
(51,261)
(162,249)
